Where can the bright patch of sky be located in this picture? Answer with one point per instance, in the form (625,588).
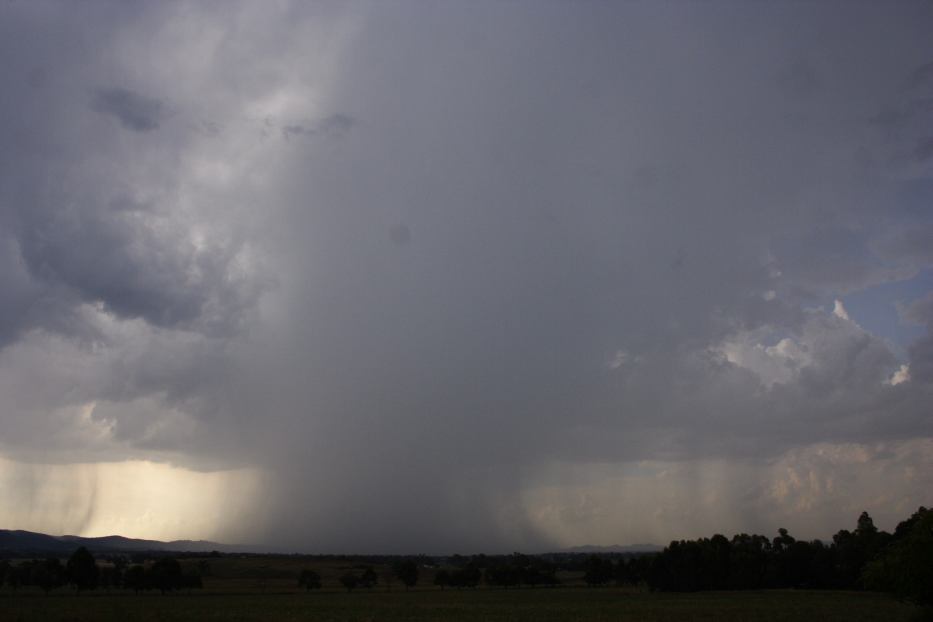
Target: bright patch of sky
(877,309)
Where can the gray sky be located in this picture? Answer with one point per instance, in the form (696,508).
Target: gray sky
(402,277)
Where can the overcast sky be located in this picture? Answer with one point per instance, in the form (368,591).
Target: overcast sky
(464,276)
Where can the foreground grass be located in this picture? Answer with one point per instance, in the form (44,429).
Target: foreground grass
(539,605)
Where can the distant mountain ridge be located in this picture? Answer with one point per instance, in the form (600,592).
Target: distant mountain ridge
(32,543)
(29,543)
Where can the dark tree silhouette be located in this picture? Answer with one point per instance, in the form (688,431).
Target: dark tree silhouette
(48,574)
(517,570)
(309,580)
(192,581)
(82,570)
(599,571)
(442,579)
(14,577)
(350,581)
(502,575)
(407,572)
(135,578)
(165,575)
(468,576)
(906,566)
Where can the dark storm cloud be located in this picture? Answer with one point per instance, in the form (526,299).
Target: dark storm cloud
(543,254)
(400,234)
(563,235)
(86,218)
(107,257)
(924,150)
(921,352)
(922,76)
(911,245)
(920,311)
(134,111)
(131,258)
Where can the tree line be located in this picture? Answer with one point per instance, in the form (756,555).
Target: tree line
(501,571)
(863,559)
(82,572)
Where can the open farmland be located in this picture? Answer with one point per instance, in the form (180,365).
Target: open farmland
(482,604)
(265,588)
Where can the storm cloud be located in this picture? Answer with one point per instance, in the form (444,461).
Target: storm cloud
(476,276)
(134,111)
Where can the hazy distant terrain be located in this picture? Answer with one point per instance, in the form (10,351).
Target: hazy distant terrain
(28,543)
(32,543)
(615,548)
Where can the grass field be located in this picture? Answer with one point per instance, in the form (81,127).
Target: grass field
(542,605)
(253,588)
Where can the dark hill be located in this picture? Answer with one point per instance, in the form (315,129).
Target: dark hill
(18,543)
